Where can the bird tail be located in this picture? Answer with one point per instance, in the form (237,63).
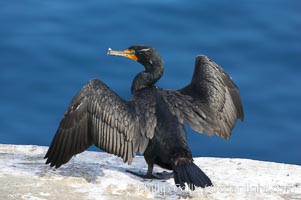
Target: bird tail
(185,171)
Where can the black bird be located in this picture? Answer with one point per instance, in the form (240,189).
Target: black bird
(152,121)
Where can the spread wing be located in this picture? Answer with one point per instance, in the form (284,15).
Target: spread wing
(98,116)
(211,103)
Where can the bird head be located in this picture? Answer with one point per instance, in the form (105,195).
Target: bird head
(145,55)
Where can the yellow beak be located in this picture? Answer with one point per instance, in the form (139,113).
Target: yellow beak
(125,53)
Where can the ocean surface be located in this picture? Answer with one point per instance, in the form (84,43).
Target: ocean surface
(50,49)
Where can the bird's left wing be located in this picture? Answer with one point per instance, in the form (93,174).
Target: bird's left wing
(97,116)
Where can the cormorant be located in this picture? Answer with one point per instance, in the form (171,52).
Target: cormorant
(152,121)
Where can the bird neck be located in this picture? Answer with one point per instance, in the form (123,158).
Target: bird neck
(149,77)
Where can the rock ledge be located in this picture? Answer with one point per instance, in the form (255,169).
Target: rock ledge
(97,175)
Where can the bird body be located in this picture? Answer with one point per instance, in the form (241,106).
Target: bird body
(152,121)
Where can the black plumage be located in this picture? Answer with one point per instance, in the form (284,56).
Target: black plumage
(152,121)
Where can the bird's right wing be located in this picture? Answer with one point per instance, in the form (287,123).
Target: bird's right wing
(97,116)
(211,103)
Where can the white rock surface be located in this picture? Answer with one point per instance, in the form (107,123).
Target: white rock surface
(96,175)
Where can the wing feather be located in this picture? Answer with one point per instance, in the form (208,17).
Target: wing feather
(98,116)
(211,103)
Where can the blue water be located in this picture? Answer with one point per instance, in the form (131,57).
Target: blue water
(50,49)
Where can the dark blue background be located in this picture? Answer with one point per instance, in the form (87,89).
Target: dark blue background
(50,49)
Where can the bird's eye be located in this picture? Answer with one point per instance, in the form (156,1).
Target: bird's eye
(130,51)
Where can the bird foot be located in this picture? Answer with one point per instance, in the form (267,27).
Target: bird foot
(164,175)
(161,176)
